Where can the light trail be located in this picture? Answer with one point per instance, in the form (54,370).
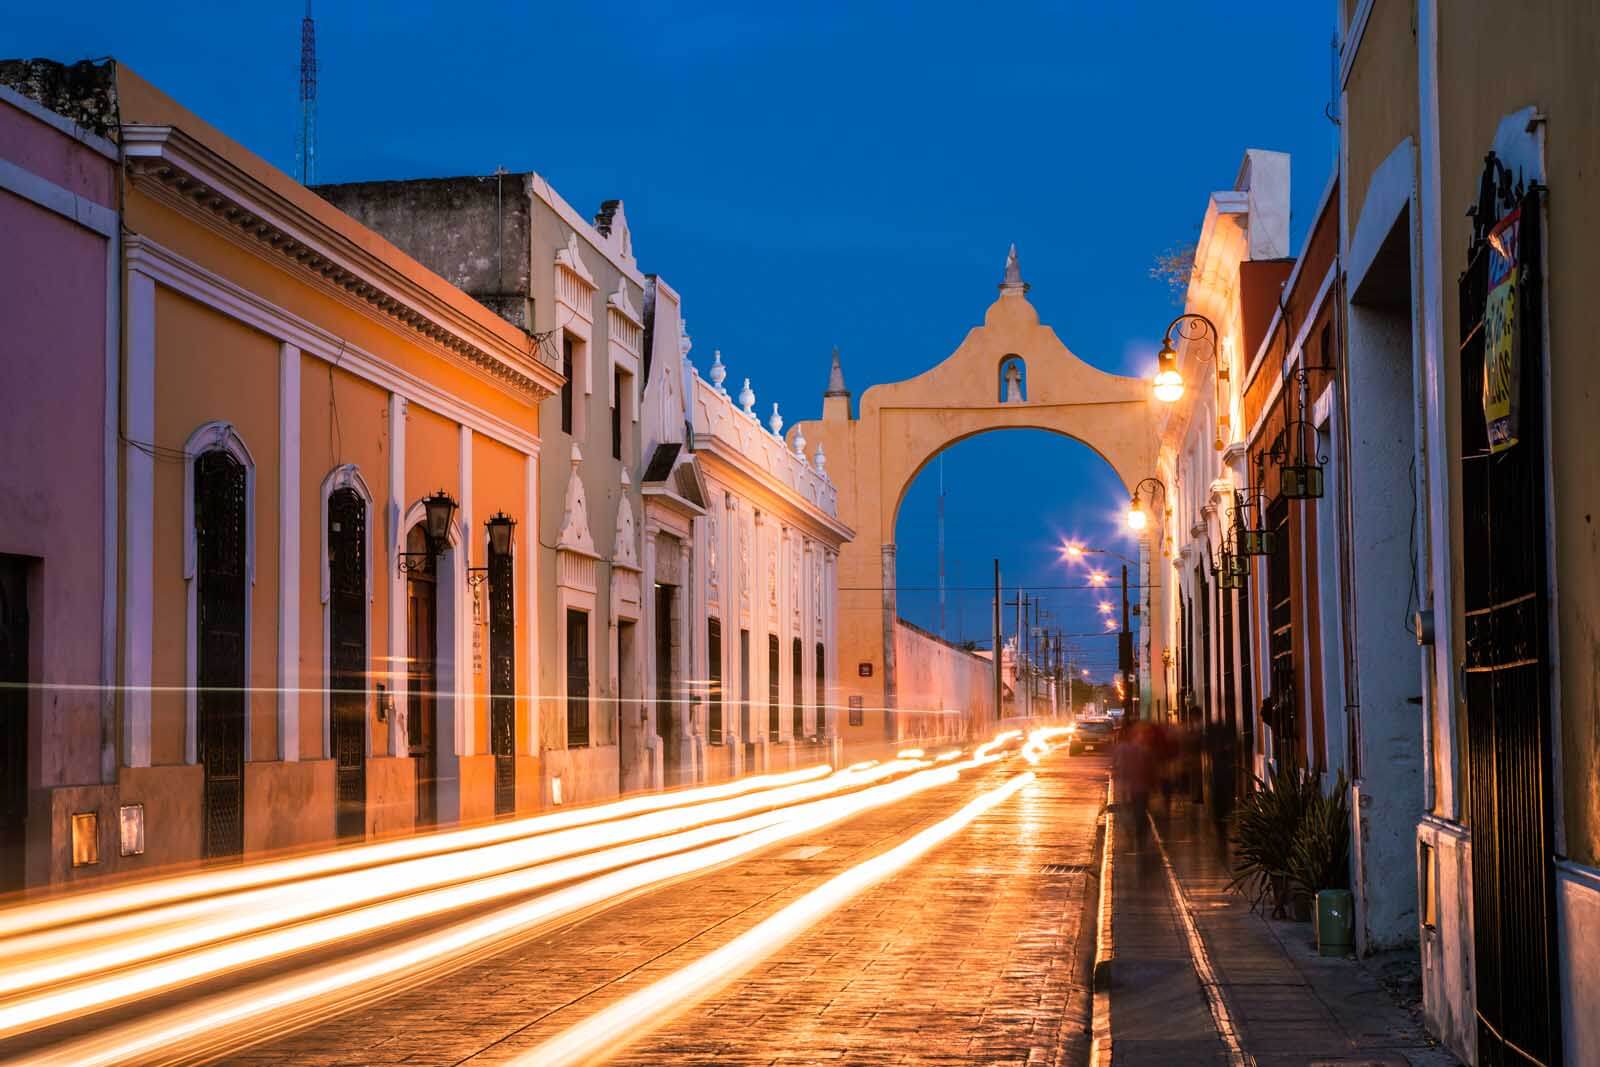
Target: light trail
(638,1014)
(200,1027)
(77,908)
(1039,741)
(284,934)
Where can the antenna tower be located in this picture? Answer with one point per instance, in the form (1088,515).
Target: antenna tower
(305,141)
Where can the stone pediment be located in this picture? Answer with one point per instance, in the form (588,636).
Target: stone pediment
(575,535)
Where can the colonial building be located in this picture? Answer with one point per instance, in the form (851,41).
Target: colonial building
(768,547)
(326,495)
(513,244)
(1239,265)
(1468,158)
(689,551)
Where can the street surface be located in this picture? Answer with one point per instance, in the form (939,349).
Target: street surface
(926,910)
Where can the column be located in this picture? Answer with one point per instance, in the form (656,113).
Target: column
(139,416)
(288,552)
(529,560)
(398,745)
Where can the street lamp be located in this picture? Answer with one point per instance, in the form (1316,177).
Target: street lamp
(1098,578)
(1190,326)
(1105,607)
(501,527)
(1138,518)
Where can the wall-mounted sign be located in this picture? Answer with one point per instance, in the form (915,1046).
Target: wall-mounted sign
(864,669)
(856,713)
(1502,358)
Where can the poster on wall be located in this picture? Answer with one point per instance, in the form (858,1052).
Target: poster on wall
(1502,355)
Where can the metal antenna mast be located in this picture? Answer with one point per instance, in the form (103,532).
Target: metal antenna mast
(305,146)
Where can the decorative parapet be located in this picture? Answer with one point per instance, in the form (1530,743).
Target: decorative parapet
(575,284)
(716,418)
(625,327)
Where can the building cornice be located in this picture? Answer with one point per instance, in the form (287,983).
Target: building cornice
(728,465)
(219,193)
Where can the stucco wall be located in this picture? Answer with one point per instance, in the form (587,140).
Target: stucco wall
(944,691)
(53,293)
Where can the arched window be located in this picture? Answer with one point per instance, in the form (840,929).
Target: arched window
(346,597)
(221,578)
(1013,380)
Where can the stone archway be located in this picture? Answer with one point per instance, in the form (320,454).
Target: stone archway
(1012,372)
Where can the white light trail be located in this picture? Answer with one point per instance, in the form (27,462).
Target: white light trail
(635,1015)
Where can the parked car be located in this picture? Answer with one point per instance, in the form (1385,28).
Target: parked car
(1091,735)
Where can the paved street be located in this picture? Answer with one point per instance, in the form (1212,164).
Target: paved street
(975,954)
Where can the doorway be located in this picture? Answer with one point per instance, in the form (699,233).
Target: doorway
(14,689)
(347,658)
(630,714)
(422,673)
(221,583)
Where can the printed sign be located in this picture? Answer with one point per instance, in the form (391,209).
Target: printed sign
(857,715)
(864,669)
(1502,347)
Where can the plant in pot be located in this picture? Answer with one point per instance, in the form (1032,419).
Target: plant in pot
(1319,866)
(1264,828)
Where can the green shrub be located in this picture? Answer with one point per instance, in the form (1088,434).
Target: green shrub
(1320,858)
(1265,826)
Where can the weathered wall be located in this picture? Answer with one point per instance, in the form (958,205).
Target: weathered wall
(944,690)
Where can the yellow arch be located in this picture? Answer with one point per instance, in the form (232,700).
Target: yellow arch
(874,456)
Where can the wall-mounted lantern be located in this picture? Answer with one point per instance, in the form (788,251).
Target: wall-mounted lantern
(438,510)
(1251,533)
(502,529)
(1138,518)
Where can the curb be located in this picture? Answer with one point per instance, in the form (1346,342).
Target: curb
(1105,947)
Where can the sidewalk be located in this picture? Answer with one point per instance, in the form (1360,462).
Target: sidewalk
(1220,984)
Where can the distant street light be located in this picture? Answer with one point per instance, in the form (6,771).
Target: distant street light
(1098,578)
(1105,607)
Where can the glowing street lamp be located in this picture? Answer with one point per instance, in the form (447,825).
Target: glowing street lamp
(1098,578)
(1138,518)
(1111,624)
(1168,382)
(1105,607)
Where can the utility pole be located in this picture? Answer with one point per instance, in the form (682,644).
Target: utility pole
(998,711)
(1125,652)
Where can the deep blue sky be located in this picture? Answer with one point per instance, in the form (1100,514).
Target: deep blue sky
(807,175)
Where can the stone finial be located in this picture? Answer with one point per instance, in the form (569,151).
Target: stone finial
(747,399)
(800,442)
(684,344)
(821,461)
(1013,282)
(775,421)
(718,373)
(836,377)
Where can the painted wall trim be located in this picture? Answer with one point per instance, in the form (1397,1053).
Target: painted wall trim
(198,283)
(64,202)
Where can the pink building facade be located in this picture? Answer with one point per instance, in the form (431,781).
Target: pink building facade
(59,353)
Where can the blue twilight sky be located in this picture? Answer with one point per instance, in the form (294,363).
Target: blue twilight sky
(811,174)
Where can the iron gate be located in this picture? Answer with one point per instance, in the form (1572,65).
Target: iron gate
(503,682)
(13,719)
(347,656)
(221,581)
(1507,665)
(577,678)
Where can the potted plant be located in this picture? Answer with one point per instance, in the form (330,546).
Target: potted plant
(1264,828)
(1319,867)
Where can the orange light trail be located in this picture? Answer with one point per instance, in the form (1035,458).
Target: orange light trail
(568,861)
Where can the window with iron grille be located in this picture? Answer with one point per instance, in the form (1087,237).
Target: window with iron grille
(221,582)
(714,681)
(797,694)
(503,681)
(1280,627)
(566,386)
(774,680)
(744,686)
(616,412)
(577,678)
(822,690)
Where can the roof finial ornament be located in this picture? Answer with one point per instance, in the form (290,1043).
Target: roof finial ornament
(836,377)
(1013,282)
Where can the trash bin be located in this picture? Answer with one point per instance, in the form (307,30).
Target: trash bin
(1333,926)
